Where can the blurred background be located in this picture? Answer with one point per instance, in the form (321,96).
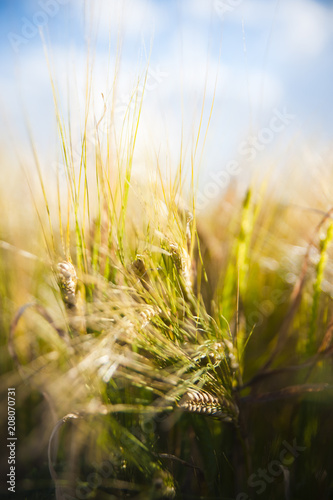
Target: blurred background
(255,59)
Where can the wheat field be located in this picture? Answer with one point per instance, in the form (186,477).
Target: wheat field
(156,350)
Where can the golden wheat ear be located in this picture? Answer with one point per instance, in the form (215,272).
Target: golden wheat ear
(67,280)
(204,403)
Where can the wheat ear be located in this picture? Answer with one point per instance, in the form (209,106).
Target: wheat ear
(199,401)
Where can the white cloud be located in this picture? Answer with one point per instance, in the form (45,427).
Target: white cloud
(199,9)
(132,17)
(308,27)
(302,28)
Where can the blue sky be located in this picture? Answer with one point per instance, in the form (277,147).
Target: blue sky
(267,54)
